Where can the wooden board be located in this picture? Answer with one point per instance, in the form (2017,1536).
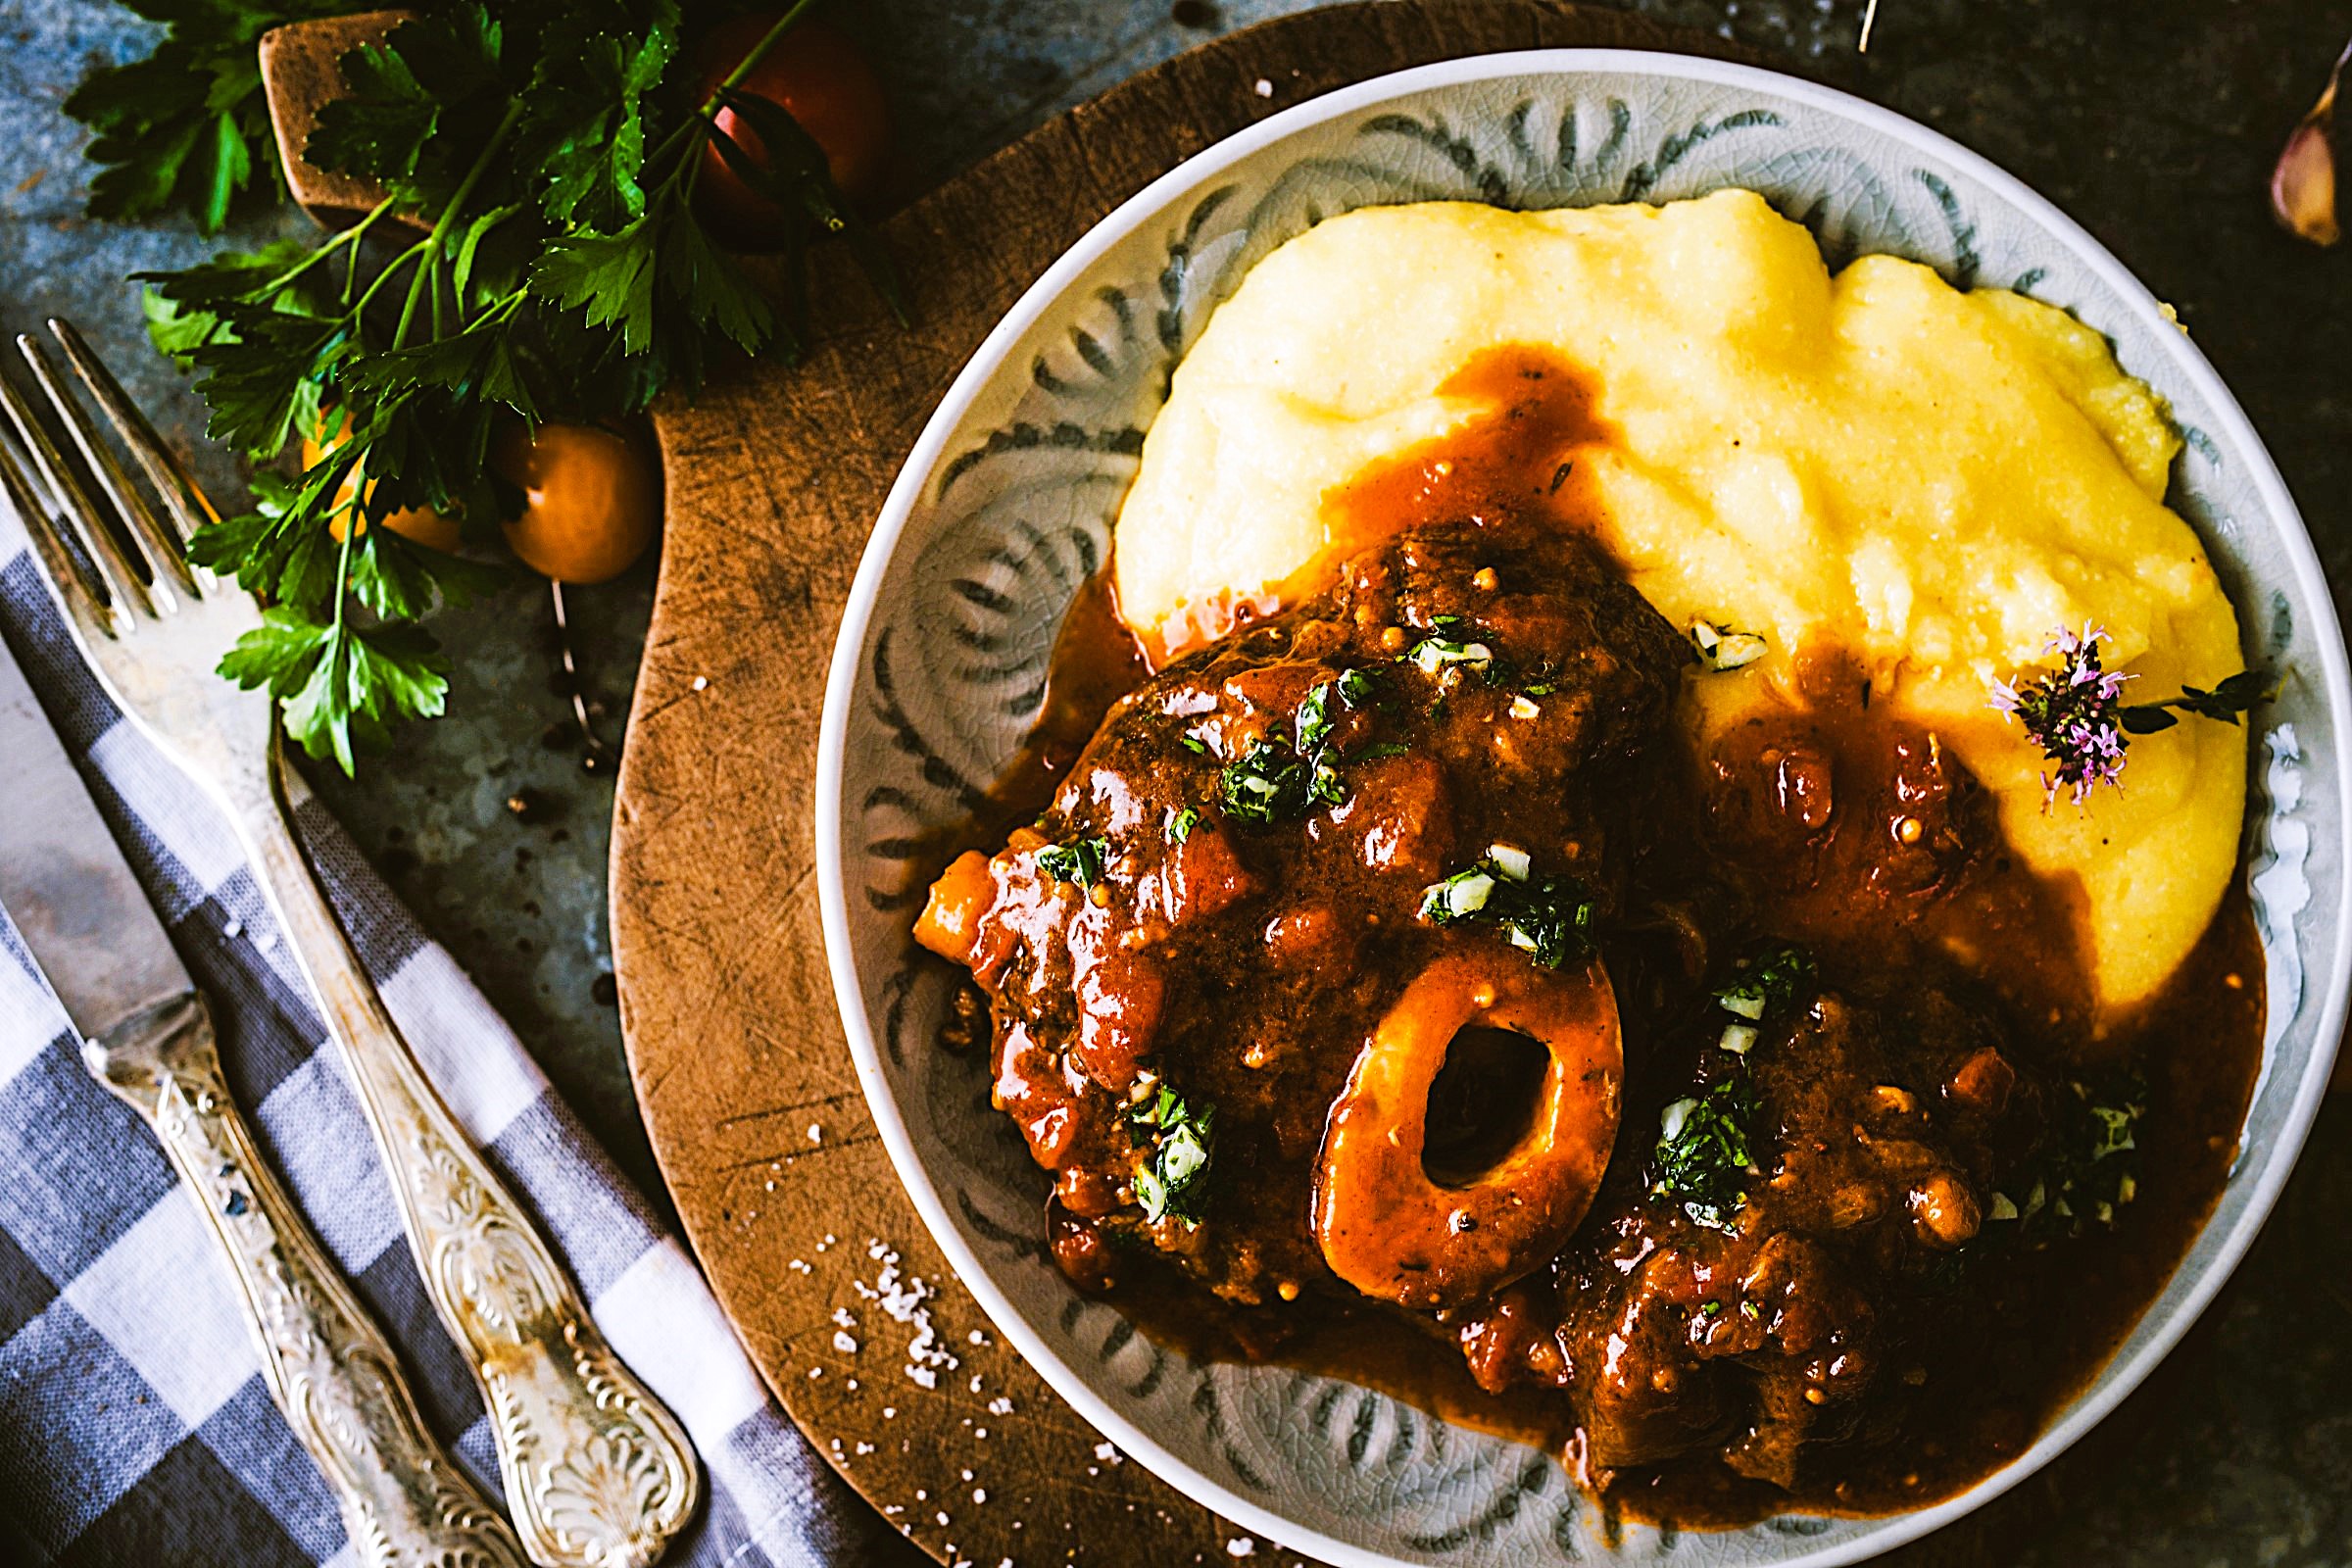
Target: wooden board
(739,1066)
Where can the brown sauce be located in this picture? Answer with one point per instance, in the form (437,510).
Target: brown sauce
(1820,821)
(1518,455)
(1876,849)
(2050,1328)
(2043,1327)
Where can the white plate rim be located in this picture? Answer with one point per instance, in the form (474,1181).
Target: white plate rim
(2116,1381)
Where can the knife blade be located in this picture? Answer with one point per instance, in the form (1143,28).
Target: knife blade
(63,881)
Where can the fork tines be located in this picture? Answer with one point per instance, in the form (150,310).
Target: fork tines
(99,535)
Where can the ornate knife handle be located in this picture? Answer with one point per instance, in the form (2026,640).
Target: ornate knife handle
(406,1503)
(597,1473)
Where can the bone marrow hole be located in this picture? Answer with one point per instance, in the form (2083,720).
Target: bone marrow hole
(1482,1104)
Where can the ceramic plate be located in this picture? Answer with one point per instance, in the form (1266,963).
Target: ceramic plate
(1006,507)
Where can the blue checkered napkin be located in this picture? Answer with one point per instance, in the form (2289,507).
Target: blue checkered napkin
(134,1428)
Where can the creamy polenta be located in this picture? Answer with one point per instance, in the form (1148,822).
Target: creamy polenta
(1928,481)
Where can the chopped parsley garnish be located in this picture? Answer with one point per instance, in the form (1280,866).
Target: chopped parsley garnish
(1081,861)
(2093,1172)
(1548,920)
(1182,1140)
(1273,782)
(1719,648)
(1702,1159)
(1446,645)
(1265,786)
(1180,826)
(1194,745)
(1355,688)
(1773,979)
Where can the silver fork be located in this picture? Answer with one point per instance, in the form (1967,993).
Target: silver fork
(598,1474)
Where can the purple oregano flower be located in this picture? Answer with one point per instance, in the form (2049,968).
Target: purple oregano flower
(2075,715)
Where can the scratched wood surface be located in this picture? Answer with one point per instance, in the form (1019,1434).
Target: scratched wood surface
(726,1005)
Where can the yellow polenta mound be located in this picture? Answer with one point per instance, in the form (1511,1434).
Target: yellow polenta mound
(1934,481)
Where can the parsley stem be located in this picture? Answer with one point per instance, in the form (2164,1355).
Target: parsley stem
(349,237)
(697,124)
(758,51)
(391,269)
(434,241)
(353,521)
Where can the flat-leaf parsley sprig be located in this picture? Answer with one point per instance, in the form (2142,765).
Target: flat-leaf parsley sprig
(2077,715)
(187,126)
(537,255)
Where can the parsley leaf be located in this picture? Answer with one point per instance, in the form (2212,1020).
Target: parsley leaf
(608,277)
(1448,644)
(1266,785)
(1082,860)
(1274,782)
(2092,1170)
(1182,1138)
(1549,921)
(1703,1158)
(341,686)
(585,125)
(186,128)
(1773,978)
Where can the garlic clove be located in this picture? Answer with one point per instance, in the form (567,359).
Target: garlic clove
(2303,183)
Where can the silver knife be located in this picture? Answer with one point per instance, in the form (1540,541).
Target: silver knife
(147,1036)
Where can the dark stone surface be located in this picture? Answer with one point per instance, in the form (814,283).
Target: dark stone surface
(2153,122)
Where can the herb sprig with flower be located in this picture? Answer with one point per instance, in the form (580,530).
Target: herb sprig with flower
(2077,715)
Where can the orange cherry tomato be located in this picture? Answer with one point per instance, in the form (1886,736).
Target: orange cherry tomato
(823,80)
(591,500)
(423,524)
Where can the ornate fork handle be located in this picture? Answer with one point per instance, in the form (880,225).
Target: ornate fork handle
(597,1473)
(404,1504)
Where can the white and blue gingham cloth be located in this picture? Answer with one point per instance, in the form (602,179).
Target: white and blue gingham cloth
(134,1427)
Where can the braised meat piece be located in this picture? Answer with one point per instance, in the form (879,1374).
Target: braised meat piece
(1408,804)
(1765,1316)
